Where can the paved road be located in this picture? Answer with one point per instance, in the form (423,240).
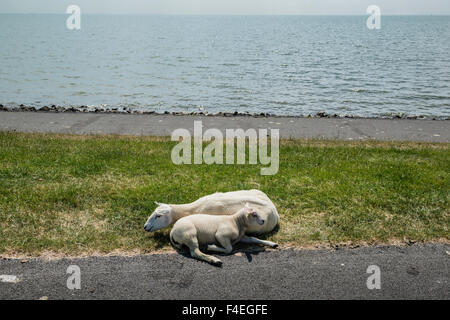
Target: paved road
(412,272)
(163,125)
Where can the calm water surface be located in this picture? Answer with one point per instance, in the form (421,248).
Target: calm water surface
(287,65)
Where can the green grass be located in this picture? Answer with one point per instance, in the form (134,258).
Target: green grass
(84,194)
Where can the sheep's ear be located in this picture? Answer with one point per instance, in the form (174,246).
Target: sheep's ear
(247,205)
(157,203)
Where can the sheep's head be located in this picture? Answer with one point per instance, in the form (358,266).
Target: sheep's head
(253,217)
(160,218)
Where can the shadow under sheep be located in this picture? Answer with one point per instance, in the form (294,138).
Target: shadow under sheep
(161,238)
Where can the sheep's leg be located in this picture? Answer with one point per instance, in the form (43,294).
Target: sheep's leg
(196,253)
(213,247)
(224,242)
(254,240)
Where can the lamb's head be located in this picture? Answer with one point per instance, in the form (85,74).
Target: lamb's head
(160,218)
(252,216)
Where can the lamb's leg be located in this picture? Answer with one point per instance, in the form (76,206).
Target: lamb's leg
(254,240)
(213,247)
(196,253)
(225,242)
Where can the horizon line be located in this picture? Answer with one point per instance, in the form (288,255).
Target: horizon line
(229,14)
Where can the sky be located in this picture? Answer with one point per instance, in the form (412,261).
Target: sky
(225,7)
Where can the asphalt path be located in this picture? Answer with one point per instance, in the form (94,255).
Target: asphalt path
(164,125)
(419,271)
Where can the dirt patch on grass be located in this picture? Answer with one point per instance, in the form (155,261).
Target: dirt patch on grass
(55,255)
(365,144)
(75,219)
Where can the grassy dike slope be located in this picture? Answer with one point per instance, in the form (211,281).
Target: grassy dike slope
(82,194)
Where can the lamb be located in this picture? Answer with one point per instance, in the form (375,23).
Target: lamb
(217,204)
(202,229)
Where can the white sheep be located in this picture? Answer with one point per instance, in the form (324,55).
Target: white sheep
(203,229)
(217,204)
